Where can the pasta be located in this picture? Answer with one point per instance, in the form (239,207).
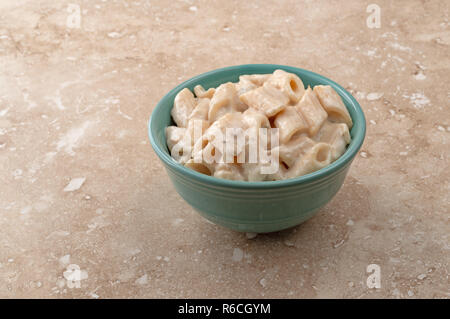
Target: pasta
(201,93)
(290,122)
(264,127)
(181,141)
(336,135)
(333,105)
(316,158)
(312,111)
(227,171)
(294,149)
(266,98)
(290,84)
(200,112)
(225,100)
(183,106)
(199,167)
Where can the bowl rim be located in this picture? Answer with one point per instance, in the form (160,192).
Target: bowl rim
(343,160)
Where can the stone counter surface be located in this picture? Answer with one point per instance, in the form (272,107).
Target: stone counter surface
(82,192)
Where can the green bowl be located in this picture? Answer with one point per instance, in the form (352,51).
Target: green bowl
(257,207)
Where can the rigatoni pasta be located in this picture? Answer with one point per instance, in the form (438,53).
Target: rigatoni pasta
(267,99)
(290,122)
(288,83)
(333,105)
(183,106)
(312,111)
(317,157)
(264,127)
(201,93)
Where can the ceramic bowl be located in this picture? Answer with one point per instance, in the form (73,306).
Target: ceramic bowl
(257,207)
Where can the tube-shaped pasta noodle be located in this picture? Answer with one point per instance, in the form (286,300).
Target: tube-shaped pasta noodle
(333,105)
(255,119)
(228,171)
(174,134)
(244,85)
(266,99)
(312,111)
(195,130)
(200,112)
(230,120)
(202,93)
(252,172)
(316,158)
(182,149)
(211,143)
(256,79)
(225,100)
(199,167)
(217,132)
(289,122)
(292,151)
(207,153)
(335,134)
(288,83)
(279,175)
(183,106)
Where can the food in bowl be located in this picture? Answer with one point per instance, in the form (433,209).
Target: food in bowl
(265,127)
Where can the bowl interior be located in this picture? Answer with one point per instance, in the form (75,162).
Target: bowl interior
(161,118)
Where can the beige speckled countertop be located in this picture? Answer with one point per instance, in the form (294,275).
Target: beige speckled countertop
(78,81)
